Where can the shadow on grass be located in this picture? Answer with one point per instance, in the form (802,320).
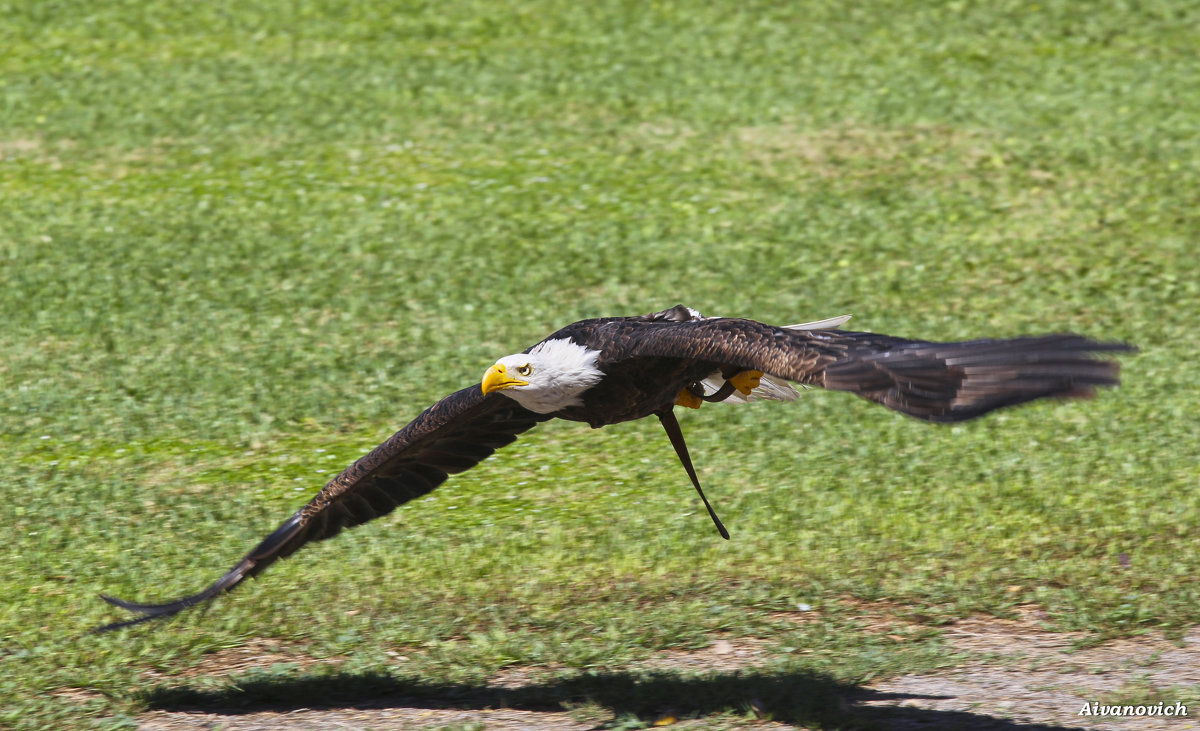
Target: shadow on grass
(798,698)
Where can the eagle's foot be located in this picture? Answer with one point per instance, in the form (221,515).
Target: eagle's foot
(687,398)
(746,381)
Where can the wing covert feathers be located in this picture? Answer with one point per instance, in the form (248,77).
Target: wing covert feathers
(451,436)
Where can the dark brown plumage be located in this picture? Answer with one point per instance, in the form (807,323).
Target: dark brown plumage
(451,436)
(644,365)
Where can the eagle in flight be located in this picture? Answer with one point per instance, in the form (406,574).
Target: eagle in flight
(608,370)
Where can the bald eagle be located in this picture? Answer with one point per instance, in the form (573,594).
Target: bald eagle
(609,370)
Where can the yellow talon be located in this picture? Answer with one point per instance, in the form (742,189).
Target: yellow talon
(746,381)
(688,399)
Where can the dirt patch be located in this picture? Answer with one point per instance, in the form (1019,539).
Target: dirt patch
(364,718)
(36,149)
(1021,678)
(256,654)
(19,147)
(863,150)
(1032,676)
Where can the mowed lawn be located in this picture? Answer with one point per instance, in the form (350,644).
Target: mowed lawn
(243,242)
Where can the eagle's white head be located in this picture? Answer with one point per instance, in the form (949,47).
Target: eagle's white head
(551,376)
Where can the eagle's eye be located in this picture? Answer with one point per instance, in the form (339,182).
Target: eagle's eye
(525,370)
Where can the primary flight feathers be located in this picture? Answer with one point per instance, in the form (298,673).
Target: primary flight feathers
(610,370)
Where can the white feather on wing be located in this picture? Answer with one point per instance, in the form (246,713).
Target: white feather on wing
(771,388)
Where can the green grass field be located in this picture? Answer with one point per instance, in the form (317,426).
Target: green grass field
(241,243)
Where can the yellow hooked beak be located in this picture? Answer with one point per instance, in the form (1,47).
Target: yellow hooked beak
(497,379)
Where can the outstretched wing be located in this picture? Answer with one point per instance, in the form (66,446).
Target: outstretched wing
(941,382)
(451,436)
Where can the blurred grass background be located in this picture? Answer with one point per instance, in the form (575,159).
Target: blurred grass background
(240,243)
